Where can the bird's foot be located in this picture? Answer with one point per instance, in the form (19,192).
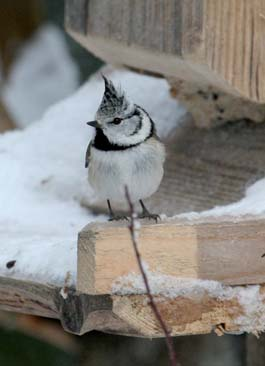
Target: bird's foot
(118,218)
(149,216)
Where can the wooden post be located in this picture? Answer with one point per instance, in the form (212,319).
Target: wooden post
(129,314)
(212,47)
(220,41)
(214,249)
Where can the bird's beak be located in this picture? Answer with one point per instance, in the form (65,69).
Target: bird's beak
(93,124)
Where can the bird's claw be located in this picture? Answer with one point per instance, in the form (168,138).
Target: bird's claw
(150,216)
(118,218)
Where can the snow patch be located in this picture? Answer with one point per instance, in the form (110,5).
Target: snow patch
(43,74)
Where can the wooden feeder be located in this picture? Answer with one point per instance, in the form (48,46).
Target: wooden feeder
(212,53)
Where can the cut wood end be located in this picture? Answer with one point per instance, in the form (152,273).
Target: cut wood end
(206,249)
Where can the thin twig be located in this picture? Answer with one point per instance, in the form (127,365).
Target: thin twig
(132,228)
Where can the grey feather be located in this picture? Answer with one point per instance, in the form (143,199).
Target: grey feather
(114,101)
(88,154)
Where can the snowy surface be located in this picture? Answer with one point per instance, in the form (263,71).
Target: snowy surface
(43,74)
(44,182)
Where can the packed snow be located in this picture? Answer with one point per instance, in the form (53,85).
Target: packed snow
(43,74)
(44,182)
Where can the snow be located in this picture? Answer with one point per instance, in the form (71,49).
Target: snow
(43,74)
(250,298)
(44,182)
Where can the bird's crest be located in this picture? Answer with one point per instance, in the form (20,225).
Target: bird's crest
(113,103)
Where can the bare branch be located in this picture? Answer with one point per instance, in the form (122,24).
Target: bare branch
(132,228)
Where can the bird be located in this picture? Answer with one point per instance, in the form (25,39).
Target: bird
(125,152)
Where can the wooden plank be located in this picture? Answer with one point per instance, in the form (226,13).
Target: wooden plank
(45,300)
(28,297)
(162,26)
(76,15)
(234,44)
(183,316)
(218,43)
(223,250)
(128,315)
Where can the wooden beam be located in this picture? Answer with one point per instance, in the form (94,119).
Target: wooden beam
(228,251)
(219,43)
(28,297)
(129,315)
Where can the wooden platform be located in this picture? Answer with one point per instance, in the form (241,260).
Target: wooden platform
(225,250)
(228,252)
(203,169)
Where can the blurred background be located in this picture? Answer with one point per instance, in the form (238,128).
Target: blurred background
(40,65)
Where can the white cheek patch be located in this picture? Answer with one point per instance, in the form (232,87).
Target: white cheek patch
(119,138)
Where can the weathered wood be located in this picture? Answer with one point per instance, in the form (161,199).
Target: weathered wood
(76,15)
(210,106)
(183,316)
(127,315)
(206,42)
(206,249)
(72,308)
(234,44)
(28,297)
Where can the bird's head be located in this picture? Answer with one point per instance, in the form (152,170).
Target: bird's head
(121,121)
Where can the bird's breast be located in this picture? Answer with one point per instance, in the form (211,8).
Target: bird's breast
(140,168)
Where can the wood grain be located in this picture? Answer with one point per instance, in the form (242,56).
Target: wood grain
(234,44)
(76,15)
(226,251)
(126,315)
(183,316)
(218,43)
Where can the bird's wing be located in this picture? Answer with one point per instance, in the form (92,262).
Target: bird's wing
(88,153)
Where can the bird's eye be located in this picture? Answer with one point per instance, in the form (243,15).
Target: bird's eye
(117,121)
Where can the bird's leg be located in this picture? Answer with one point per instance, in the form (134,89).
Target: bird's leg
(112,216)
(146,214)
(111,213)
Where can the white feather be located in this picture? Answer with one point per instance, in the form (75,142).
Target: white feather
(124,140)
(139,167)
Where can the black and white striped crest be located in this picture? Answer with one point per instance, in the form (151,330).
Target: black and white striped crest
(114,102)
